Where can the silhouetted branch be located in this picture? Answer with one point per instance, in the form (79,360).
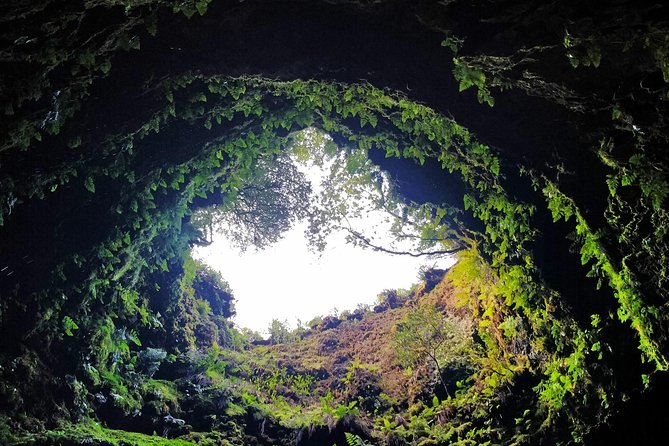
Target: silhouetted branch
(367,242)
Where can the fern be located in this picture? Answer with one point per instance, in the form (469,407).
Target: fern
(355,440)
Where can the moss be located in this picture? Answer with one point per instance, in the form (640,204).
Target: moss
(92,433)
(209,439)
(164,390)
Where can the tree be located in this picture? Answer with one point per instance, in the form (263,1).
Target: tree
(427,334)
(249,336)
(276,194)
(356,189)
(279,333)
(348,190)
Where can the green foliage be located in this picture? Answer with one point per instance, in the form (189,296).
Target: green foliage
(275,195)
(191,7)
(148,241)
(637,211)
(453,43)
(209,286)
(69,325)
(643,318)
(90,185)
(354,367)
(519,323)
(197,314)
(346,410)
(582,51)
(354,187)
(468,77)
(425,334)
(280,333)
(165,390)
(355,440)
(272,380)
(93,432)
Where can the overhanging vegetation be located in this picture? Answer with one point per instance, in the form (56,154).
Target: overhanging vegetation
(95,303)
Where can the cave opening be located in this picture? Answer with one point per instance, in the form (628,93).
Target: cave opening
(338,236)
(525,141)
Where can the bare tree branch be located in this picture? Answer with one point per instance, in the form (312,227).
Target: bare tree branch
(366,241)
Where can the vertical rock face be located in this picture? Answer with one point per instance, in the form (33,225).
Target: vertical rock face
(539,130)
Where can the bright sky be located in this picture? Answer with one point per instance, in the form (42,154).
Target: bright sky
(288,282)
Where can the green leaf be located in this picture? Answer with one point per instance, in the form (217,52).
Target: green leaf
(69,325)
(89,184)
(201,6)
(133,337)
(453,43)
